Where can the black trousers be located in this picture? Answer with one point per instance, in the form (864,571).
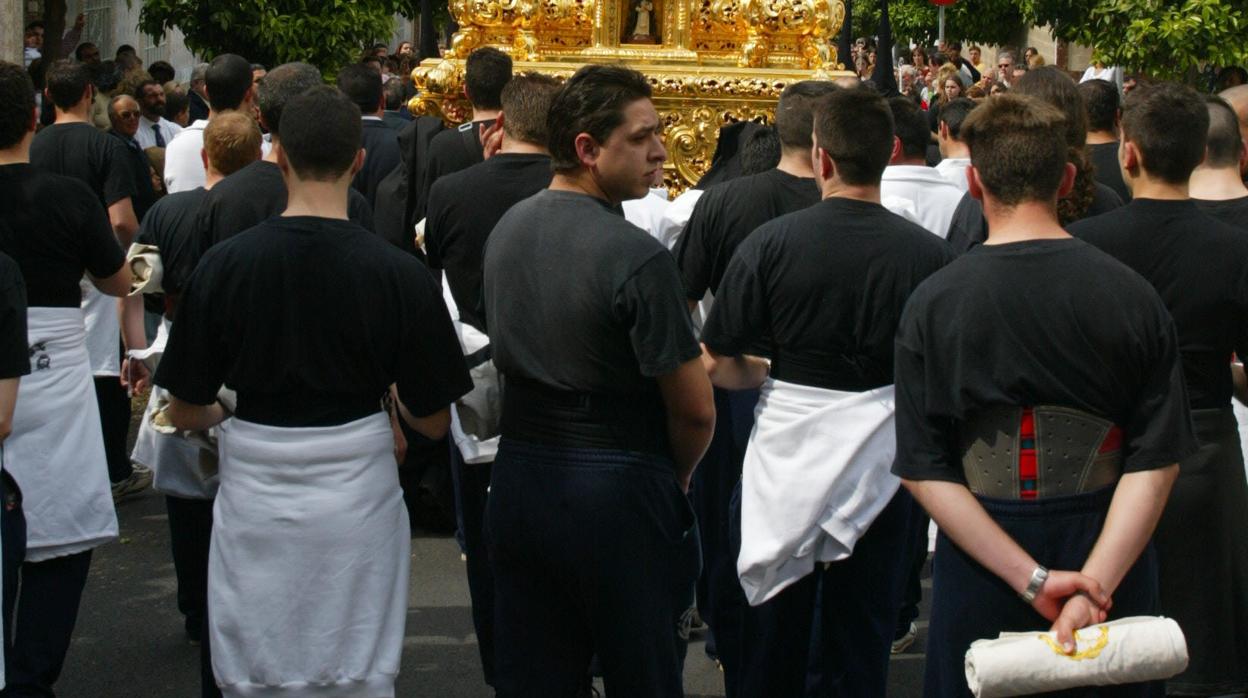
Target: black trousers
(190,531)
(471,496)
(13,541)
(47,609)
(115,423)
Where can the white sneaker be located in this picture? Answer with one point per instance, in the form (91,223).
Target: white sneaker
(903,643)
(138,480)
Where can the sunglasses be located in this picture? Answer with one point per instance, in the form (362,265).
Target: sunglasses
(128,115)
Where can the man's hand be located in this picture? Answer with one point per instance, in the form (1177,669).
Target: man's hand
(1061,586)
(134,375)
(1078,612)
(80,21)
(491,139)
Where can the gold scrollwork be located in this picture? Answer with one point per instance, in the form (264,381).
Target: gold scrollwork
(1092,651)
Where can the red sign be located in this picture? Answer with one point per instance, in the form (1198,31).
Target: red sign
(943,3)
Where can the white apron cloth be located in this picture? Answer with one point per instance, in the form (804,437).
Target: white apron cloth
(56,450)
(475,433)
(174,461)
(103,336)
(815,476)
(1127,650)
(308,568)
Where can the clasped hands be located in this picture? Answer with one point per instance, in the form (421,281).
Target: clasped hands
(1072,600)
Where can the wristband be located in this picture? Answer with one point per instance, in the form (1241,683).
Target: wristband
(1038,577)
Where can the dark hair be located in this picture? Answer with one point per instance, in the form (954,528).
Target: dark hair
(486,72)
(592,101)
(67,83)
(954,45)
(141,89)
(176,101)
(1102,102)
(129,61)
(1225,141)
(761,151)
(370,58)
(910,127)
(36,24)
(282,84)
(360,84)
(1017,148)
(80,48)
(321,133)
(125,48)
(1231,76)
(106,75)
(526,107)
(1169,123)
(395,92)
(258,66)
(161,71)
(795,112)
(954,114)
(227,80)
(17,104)
(855,128)
(1051,85)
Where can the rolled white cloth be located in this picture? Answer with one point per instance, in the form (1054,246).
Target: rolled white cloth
(1127,650)
(56,450)
(815,476)
(308,569)
(146,268)
(475,416)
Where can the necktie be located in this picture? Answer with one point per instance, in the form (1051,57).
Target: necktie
(160,140)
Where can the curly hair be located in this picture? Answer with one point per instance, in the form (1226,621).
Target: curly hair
(1050,84)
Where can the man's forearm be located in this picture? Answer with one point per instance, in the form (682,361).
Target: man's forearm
(742,372)
(133,330)
(1133,514)
(191,417)
(689,440)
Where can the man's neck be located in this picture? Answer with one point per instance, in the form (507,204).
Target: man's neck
(796,162)
(1029,220)
(1145,186)
(580,182)
(908,162)
(512,146)
(1217,184)
(211,177)
(79,113)
(485,114)
(273,143)
(954,150)
(153,119)
(1102,137)
(838,190)
(317,199)
(18,154)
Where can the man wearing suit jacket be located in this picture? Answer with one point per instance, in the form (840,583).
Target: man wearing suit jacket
(381,143)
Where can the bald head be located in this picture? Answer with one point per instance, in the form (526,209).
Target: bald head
(123,113)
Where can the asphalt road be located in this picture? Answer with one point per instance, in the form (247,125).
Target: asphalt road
(129,641)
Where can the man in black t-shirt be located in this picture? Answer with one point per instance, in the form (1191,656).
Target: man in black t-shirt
(14,363)
(486,71)
(1102,103)
(310,319)
(824,287)
(606,412)
(1199,266)
(464,207)
(1216,186)
(1079,350)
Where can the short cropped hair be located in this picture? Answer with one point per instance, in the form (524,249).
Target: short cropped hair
(1054,86)
(176,101)
(320,133)
(1101,100)
(910,126)
(486,71)
(67,83)
(141,89)
(855,128)
(17,104)
(232,141)
(954,114)
(395,92)
(227,79)
(360,84)
(795,112)
(526,107)
(592,101)
(162,71)
(761,151)
(280,86)
(1017,147)
(1169,123)
(1225,141)
(81,48)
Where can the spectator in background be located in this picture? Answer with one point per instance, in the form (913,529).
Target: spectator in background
(373,62)
(396,114)
(124,113)
(380,142)
(154,129)
(907,178)
(976,56)
(198,93)
(954,153)
(1104,114)
(258,71)
(125,49)
(162,72)
(1005,68)
(404,50)
(948,88)
(1099,71)
(105,77)
(177,105)
(381,51)
(34,36)
(970,74)
(1030,53)
(87,53)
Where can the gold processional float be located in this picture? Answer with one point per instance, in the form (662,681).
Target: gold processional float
(709,62)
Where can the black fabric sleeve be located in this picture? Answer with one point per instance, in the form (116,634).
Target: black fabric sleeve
(195,360)
(359,211)
(651,304)
(432,372)
(435,224)
(693,253)
(968,227)
(740,317)
(924,441)
(119,177)
(14,354)
(101,254)
(1158,430)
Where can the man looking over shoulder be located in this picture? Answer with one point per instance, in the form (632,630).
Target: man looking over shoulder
(309,522)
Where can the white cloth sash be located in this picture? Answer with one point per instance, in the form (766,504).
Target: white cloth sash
(147,271)
(486,394)
(103,337)
(308,568)
(56,450)
(1128,650)
(815,476)
(175,461)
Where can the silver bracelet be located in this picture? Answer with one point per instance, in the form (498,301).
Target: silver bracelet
(1038,577)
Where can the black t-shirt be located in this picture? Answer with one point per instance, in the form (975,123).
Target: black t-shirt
(577,298)
(81,151)
(464,207)
(381,156)
(969,227)
(140,172)
(310,320)
(726,214)
(1231,211)
(827,284)
(450,151)
(14,355)
(55,230)
(1104,158)
(251,196)
(1041,322)
(1199,266)
(170,226)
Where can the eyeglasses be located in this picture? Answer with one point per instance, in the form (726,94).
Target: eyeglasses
(128,115)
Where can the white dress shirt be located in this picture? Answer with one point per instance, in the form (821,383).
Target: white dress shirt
(184,169)
(934,197)
(954,170)
(146,135)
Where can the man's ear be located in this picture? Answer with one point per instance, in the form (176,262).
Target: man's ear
(279,154)
(1068,181)
(1130,158)
(943,131)
(1243,159)
(203,157)
(358,164)
(897,151)
(586,149)
(974,186)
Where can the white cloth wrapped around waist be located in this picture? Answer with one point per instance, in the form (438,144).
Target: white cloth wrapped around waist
(103,330)
(475,416)
(56,450)
(146,268)
(309,562)
(1127,650)
(816,475)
